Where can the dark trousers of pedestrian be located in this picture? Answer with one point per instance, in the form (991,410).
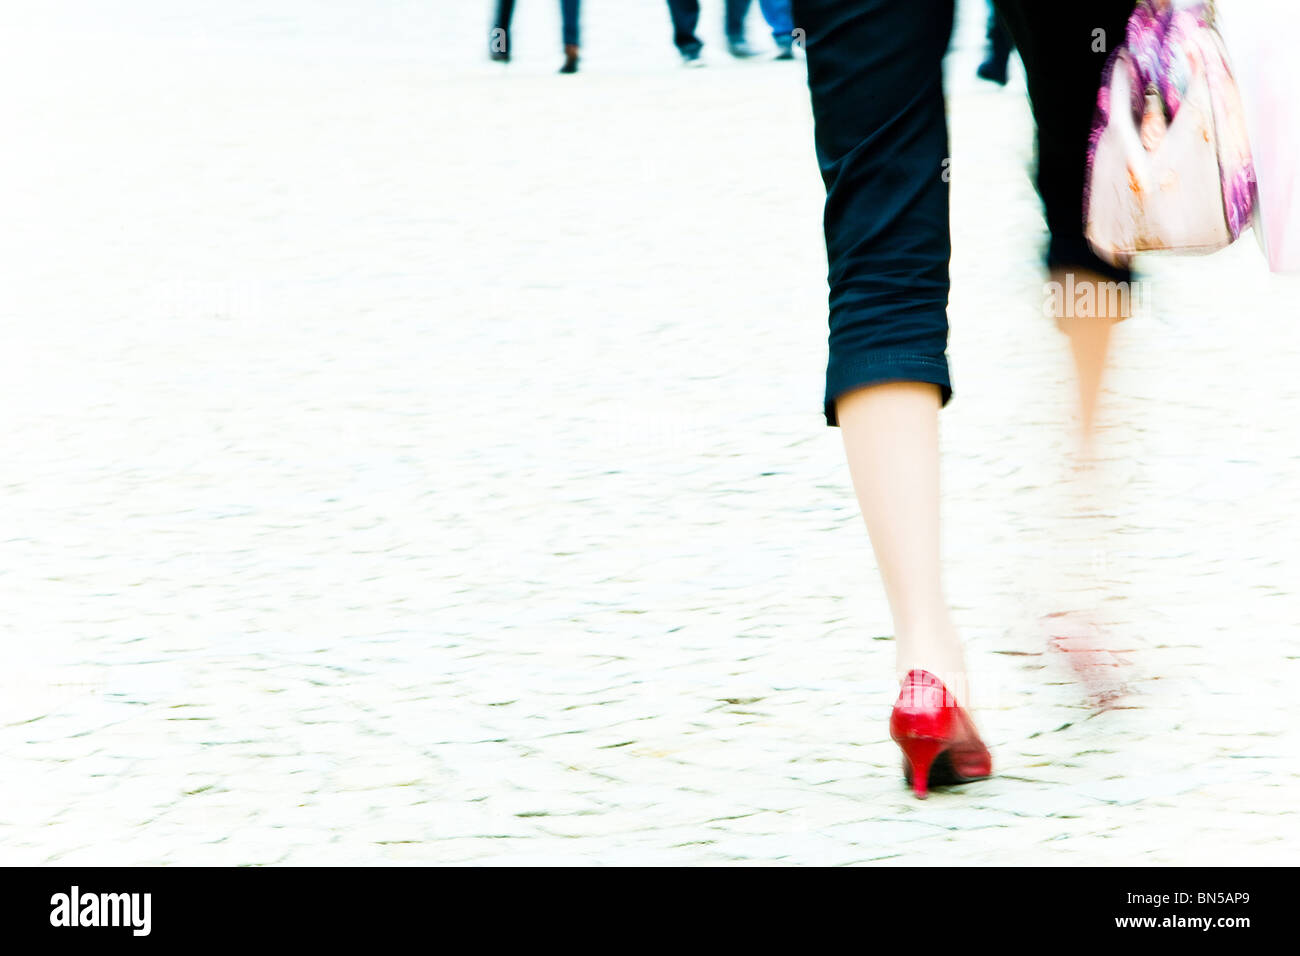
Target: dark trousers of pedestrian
(778,17)
(686,17)
(568,17)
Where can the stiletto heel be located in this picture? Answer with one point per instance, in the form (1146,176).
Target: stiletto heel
(919,753)
(939,742)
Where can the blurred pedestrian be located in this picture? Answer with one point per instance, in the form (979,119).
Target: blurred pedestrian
(499,39)
(778,17)
(875,73)
(998,52)
(685,15)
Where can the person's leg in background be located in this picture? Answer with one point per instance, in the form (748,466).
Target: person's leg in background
(778,17)
(686,17)
(734,24)
(569,11)
(875,76)
(499,39)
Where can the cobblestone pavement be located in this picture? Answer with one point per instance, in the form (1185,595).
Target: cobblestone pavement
(412,460)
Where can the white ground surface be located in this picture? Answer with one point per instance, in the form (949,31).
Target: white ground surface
(414,460)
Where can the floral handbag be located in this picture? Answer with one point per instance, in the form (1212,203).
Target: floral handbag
(1169,163)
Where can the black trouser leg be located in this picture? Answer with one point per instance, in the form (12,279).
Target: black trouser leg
(686,17)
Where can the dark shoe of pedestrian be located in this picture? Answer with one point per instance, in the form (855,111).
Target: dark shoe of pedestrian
(785,48)
(570,58)
(499,45)
(691,57)
(741,49)
(993,70)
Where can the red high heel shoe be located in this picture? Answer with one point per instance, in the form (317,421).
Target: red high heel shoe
(939,741)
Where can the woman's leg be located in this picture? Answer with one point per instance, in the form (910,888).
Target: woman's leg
(891,437)
(1065,48)
(1088,319)
(875,76)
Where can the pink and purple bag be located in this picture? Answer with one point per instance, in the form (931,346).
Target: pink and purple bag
(1169,161)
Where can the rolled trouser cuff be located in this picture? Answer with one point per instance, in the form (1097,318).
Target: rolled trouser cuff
(859,371)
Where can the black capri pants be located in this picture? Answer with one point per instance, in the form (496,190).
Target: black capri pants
(875,73)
